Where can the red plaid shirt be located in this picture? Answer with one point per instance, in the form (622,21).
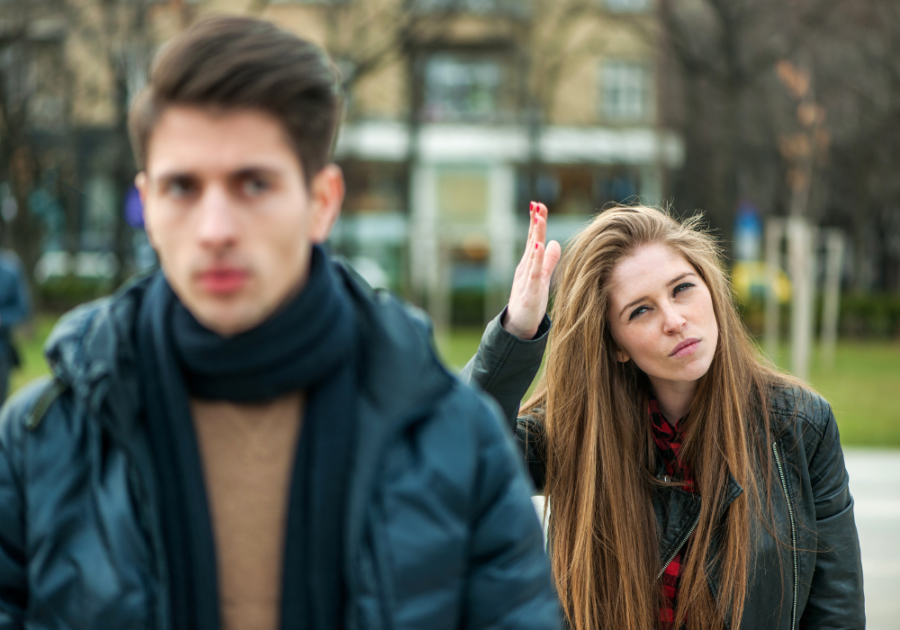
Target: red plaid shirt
(668,441)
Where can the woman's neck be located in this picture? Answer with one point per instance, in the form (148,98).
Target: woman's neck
(674,397)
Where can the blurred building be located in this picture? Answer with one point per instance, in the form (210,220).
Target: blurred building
(458,112)
(461,111)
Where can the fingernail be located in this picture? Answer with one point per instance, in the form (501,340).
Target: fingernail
(535,245)
(531,206)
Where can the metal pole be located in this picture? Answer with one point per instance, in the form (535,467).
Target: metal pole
(799,257)
(832,294)
(774,238)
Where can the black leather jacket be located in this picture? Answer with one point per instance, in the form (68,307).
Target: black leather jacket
(817,581)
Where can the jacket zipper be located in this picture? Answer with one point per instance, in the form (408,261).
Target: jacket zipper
(678,547)
(787,499)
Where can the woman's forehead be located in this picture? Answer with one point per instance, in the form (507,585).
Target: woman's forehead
(649,268)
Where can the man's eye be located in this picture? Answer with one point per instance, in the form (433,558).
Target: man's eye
(640,310)
(681,287)
(253,187)
(179,188)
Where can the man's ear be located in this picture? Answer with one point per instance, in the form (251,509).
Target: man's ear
(327,194)
(143,185)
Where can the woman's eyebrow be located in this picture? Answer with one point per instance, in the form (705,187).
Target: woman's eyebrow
(681,277)
(671,282)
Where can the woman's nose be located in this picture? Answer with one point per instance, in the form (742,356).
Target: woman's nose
(673,320)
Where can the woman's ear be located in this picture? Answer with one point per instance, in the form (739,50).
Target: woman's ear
(622,356)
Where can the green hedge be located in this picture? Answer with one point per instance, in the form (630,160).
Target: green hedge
(862,316)
(60,294)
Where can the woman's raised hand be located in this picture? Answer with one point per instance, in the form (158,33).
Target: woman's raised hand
(531,286)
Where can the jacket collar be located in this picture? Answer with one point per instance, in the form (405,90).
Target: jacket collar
(677,511)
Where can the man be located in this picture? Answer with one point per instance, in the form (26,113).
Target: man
(14,308)
(249,438)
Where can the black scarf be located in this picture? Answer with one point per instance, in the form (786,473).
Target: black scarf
(311,345)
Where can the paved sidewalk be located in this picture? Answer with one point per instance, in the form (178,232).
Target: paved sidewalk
(876,493)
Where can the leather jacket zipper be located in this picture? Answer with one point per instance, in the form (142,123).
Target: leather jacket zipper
(787,499)
(678,547)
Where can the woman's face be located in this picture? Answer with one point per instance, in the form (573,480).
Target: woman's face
(662,316)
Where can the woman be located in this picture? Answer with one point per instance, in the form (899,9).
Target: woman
(691,484)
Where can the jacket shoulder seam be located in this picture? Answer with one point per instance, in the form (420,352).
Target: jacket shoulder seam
(39,411)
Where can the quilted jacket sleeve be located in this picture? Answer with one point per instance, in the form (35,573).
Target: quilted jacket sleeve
(836,593)
(13,564)
(509,584)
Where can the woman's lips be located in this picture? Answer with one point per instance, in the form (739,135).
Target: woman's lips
(222,281)
(686,348)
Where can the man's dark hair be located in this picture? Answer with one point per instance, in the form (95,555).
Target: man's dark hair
(231,63)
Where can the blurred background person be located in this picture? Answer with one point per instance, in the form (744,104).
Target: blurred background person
(14,309)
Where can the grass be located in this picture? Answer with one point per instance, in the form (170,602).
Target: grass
(31,347)
(863,386)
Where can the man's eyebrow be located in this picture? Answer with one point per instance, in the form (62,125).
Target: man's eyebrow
(670,283)
(254,170)
(173,174)
(244,171)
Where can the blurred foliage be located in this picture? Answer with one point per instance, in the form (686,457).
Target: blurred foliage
(870,315)
(62,293)
(862,316)
(467,308)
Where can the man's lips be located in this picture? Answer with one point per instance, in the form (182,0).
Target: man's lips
(226,280)
(685,348)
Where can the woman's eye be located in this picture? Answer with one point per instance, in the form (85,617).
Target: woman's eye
(640,310)
(681,287)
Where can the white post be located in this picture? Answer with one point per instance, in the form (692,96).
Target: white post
(834,247)
(501,229)
(430,278)
(774,238)
(800,258)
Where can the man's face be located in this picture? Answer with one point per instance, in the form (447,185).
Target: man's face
(229,214)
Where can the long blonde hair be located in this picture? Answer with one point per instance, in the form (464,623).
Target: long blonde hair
(600,461)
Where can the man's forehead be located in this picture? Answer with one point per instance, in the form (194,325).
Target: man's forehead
(195,140)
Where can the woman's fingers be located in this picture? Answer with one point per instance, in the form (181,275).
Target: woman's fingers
(528,241)
(528,298)
(551,258)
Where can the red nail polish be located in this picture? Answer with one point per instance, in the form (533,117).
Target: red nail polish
(531,206)
(535,245)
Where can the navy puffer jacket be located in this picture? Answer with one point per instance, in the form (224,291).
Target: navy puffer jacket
(440,533)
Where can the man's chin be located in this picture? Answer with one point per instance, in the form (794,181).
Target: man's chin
(227,321)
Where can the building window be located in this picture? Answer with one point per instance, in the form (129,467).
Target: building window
(581,190)
(460,88)
(627,6)
(625,87)
(485,7)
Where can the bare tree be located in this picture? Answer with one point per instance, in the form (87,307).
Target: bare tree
(725,53)
(33,116)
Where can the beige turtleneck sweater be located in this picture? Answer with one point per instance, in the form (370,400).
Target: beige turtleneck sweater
(248,454)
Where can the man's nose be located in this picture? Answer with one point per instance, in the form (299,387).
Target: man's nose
(217,224)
